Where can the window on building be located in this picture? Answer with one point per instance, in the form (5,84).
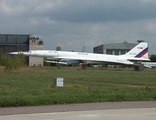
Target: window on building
(123,52)
(110,52)
(116,52)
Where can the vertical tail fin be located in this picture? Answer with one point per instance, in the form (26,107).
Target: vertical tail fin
(139,51)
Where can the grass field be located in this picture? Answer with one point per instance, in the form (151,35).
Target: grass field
(34,85)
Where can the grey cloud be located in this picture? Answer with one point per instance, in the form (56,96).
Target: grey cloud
(95,11)
(103,11)
(77,23)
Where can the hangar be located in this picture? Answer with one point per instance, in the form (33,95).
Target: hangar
(21,42)
(114,48)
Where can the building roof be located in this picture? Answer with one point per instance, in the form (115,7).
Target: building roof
(124,45)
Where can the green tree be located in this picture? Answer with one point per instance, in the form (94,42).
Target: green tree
(16,62)
(153,58)
(58,48)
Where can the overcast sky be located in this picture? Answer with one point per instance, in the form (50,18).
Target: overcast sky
(72,24)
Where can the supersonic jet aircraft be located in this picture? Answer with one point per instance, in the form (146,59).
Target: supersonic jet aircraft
(137,54)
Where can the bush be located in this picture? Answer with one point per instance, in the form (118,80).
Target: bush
(46,63)
(16,62)
(84,66)
(153,58)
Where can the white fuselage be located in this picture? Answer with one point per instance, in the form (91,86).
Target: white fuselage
(89,57)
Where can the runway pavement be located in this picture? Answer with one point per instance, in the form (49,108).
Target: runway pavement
(145,110)
(115,114)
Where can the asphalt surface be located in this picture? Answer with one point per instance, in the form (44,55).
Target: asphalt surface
(115,114)
(77,107)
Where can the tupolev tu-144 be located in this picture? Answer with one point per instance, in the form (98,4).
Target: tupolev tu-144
(138,54)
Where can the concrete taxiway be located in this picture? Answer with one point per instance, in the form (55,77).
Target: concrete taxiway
(88,111)
(115,114)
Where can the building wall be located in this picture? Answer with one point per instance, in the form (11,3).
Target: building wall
(98,49)
(114,49)
(13,42)
(34,45)
(14,39)
(104,51)
(19,42)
